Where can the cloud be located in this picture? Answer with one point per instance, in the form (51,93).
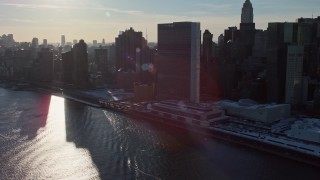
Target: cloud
(24,20)
(33,6)
(108,14)
(213,6)
(49,6)
(12,21)
(129,12)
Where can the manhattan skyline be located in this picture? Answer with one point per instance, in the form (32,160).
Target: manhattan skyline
(98,19)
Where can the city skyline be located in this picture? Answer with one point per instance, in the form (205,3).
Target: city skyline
(97,19)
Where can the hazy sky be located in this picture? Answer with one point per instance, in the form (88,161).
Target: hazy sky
(97,19)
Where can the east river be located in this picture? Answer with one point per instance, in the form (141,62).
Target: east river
(47,137)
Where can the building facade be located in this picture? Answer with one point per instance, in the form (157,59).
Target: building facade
(178,61)
(294,74)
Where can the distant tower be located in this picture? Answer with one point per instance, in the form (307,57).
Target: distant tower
(95,43)
(80,62)
(207,45)
(35,43)
(220,40)
(103,42)
(10,40)
(247,12)
(63,40)
(45,42)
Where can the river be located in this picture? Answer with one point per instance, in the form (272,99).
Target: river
(47,137)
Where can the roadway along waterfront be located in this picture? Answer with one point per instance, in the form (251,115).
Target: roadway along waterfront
(47,137)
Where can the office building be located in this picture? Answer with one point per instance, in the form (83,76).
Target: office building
(231,34)
(95,43)
(80,70)
(35,43)
(112,58)
(178,61)
(280,35)
(207,46)
(221,40)
(309,37)
(208,69)
(45,57)
(294,74)
(7,40)
(67,67)
(276,63)
(260,44)
(247,34)
(101,61)
(127,44)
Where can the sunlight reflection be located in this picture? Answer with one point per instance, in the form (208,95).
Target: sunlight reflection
(112,119)
(49,155)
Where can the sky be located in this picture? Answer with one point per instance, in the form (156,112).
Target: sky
(98,19)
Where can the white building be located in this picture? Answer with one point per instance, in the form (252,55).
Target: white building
(306,129)
(248,109)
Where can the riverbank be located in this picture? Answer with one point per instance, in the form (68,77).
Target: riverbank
(231,132)
(91,97)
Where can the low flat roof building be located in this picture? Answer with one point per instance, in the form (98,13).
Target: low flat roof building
(250,110)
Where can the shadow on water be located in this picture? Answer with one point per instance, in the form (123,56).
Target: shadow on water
(131,149)
(32,119)
(85,134)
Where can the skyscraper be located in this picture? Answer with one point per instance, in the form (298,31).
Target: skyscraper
(247,28)
(95,43)
(309,37)
(45,42)
(35,43)
(10,40)
(63,40)
(101,60)
(67,67)
(80,61)
(127,44)
(178,61)
(294,74)
(247,12)
(208,68)
(46,65)
(280,35)
(207,45)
